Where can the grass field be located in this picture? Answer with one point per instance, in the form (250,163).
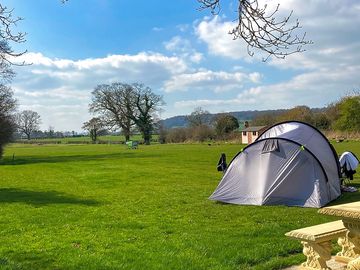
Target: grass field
(86,139)
(108,207)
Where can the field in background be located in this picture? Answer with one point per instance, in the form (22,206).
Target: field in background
(120,139)
(107,207)
(342,135)
(85,140)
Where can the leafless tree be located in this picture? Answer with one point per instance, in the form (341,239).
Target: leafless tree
(145,104)
(95,128)
(112,102)
(198,117)
(260,29)
(8,36)
(125,105)
(27,122)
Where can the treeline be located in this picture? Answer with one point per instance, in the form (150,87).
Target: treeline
(181,120)
(202,127)
(340,116)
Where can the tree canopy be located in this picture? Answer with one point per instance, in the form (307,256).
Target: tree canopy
(225,123)
(27,122)
(112,102)
(7,108)
(126,105)
(95,128)
(348,115)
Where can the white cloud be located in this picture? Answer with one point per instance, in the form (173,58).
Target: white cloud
(328,69)
(218,104)
(314,89)
(214,33)
(332,25)
(208,80)
(50,84)
(255,77)
(182,47)
(60,89)
(178,43)
(127,62)
(157,29)
(196,57)
(183,27)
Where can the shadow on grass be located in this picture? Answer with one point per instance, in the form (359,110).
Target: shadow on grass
(26,258)
(348,197)
(71,158)
(38,198)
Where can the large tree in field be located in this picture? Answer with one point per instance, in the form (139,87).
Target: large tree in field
(112,102)
(125,105)
(145,104)
(27,122)
(260,28)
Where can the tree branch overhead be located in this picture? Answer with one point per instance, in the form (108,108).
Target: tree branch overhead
(261,30)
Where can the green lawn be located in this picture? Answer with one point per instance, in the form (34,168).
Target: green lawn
(108,207)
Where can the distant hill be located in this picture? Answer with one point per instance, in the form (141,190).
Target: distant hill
(180,120)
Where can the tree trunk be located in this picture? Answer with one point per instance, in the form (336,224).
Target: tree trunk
(28,136)
(126,133)
(93,135)
(147,137)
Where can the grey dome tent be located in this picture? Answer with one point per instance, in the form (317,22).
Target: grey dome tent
(291,163)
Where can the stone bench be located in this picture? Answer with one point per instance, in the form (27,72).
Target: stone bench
(317,243)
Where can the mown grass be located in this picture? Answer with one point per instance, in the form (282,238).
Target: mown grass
(108,207)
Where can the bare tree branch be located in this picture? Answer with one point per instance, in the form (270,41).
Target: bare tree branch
(260,29)
(7,36)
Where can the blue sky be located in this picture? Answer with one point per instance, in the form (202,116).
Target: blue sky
(182,53)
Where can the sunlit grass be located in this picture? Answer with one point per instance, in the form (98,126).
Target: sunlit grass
(109,207)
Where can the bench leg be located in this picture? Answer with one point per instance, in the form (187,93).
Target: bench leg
(349,251)
(317,254)
(354,265)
